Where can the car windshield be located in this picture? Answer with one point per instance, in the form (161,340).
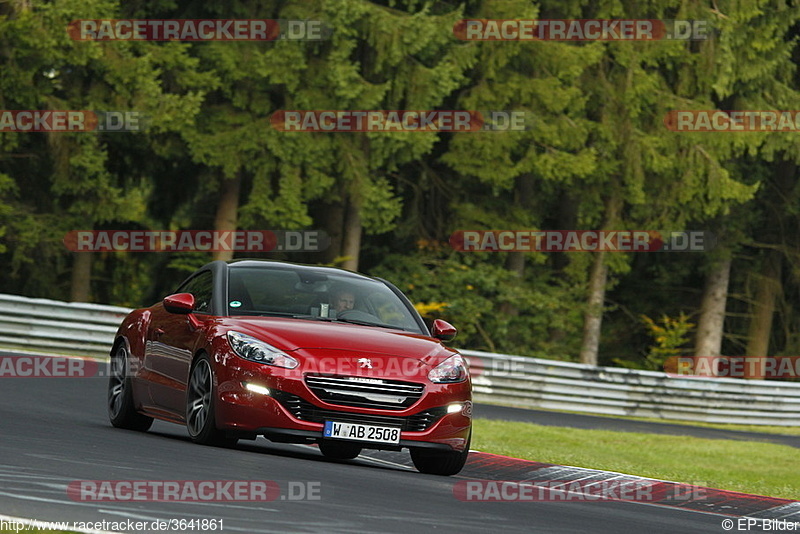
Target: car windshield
(316,295)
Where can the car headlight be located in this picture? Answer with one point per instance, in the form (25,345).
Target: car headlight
(258,351)
(452,370)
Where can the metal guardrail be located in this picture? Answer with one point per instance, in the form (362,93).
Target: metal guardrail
(50,326)
(557,385)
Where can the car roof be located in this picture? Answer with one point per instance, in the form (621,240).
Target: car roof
(285,264)
(273,264)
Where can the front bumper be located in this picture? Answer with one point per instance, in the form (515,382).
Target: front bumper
(285,435)
(292,413)
(265,415)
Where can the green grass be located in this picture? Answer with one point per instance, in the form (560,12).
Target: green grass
(765,429)
(749,467)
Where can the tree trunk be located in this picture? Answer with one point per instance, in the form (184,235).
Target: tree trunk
(768,288)
(351,240)
(768,282)
(332,218)
(515,261)
(710,327)
(593,318)
(227,211)
(80,285)
(566,220)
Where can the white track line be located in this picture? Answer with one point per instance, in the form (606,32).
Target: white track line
(384,462)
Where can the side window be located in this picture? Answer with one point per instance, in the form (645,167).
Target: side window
(201,287)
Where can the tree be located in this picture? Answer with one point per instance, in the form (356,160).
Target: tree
(45,69)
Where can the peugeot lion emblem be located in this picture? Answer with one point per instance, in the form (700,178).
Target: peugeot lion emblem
(365,363)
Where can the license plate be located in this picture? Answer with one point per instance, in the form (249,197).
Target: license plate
(377,434)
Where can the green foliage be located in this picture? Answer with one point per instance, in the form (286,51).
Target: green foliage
(493,308)
(671,338)
(595,154)
(7,190)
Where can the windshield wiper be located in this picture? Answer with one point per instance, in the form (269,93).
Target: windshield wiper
(367,323)
(317,318)
(271,314)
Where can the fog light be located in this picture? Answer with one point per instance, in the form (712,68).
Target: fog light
(255,388)
(455,407)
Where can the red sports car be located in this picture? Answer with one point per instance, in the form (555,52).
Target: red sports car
(298,354)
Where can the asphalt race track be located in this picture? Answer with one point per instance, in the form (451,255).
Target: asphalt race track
(55,431)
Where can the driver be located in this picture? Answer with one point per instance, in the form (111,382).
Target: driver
(342,300)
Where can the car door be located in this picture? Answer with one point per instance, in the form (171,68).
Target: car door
(171,339)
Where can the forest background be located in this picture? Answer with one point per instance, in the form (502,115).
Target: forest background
(597,156)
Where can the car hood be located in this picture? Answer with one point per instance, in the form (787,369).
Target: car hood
(299,334)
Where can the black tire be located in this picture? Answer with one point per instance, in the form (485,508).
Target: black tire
(200,414)
(432,462)
(339,451)
(121,408)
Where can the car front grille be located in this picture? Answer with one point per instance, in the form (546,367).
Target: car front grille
(305,411)
(365,392)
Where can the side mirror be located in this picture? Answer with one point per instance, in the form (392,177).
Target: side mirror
(443,330)
(179,303)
